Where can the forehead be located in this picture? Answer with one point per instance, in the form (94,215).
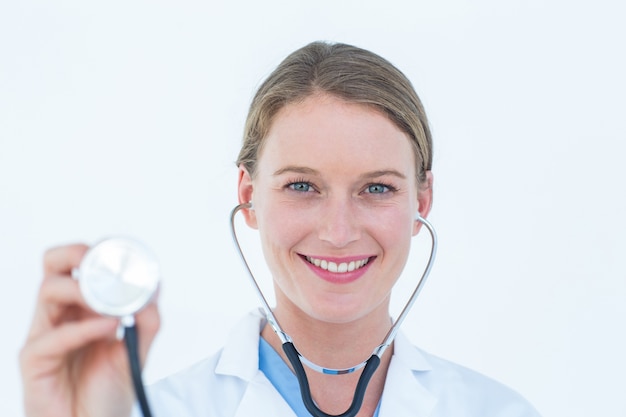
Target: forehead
(325,132)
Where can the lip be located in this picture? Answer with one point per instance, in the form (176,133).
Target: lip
(336,277)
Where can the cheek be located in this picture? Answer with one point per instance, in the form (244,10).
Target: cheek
(395,237)
(396,224)
(279,228)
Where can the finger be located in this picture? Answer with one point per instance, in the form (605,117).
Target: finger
(62,259)
(62,340)
(60,290)
(59,299)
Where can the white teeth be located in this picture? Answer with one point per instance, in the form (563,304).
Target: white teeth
(338,268)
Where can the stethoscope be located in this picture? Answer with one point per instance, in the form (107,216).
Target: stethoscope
(119,276)
(296,359)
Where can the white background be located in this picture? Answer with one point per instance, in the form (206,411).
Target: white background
(125,117)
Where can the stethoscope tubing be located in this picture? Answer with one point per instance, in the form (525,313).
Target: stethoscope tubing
(132,346)
(359,393)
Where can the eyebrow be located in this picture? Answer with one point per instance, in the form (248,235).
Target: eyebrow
(296,170)
(368,175)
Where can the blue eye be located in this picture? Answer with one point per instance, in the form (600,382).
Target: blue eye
(377,189)
(300,186)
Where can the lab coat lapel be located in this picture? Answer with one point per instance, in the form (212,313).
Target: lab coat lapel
(240,358)
(404,395)
(262,399)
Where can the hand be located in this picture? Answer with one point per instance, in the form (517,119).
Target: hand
(71,363)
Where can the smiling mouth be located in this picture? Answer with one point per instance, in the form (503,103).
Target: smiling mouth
(337,267)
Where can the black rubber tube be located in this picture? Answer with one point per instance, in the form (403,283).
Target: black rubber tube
(132,346)
(359,392)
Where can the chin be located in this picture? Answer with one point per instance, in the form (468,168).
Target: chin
(338,312)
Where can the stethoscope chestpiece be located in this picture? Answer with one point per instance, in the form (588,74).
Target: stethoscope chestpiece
(118,277)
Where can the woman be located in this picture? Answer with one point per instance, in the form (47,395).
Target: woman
(336,162)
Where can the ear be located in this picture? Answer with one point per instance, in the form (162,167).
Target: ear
(245,192)
(424,200)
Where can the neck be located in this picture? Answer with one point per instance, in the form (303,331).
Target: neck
(331,344)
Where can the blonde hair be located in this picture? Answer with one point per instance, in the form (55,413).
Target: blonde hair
(350,73)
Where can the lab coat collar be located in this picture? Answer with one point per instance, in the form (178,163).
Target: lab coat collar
(403,395)
(410,356)
(240,356)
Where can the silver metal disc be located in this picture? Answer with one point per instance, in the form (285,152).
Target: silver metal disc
(118,277)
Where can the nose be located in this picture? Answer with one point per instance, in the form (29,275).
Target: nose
(338,222)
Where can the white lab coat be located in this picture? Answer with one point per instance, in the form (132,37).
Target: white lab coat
(229,384)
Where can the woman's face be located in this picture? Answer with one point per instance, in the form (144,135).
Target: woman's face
(335,197)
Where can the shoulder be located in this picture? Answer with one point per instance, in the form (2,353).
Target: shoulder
(216,385)
(458,386)
(192,391)
(452,389)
